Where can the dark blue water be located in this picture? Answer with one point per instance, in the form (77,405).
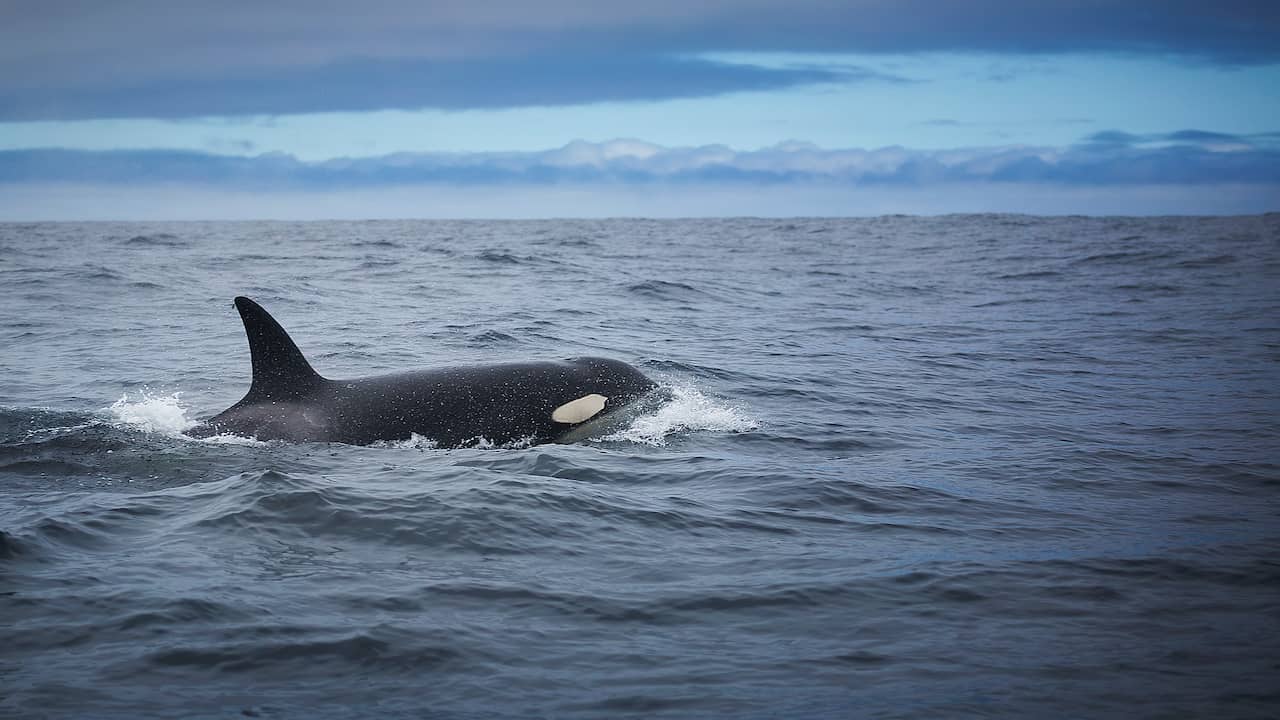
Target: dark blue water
(992,466)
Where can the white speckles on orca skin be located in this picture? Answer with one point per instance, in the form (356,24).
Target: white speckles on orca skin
(580,410)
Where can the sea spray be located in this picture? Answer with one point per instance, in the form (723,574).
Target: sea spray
(688,410)
(152,413)
(165,415)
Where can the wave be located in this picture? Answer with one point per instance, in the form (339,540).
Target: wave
(502,258)
(1030,275)
(1208,261)
(669,291)
(382,649)
(688,411)
(10,547)
(491,338)
(1125,257)
(156,240)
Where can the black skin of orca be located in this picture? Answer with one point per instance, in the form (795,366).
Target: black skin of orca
(452,406)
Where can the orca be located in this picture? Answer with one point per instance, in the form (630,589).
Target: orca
(499,404)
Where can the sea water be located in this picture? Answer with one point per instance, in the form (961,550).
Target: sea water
(987,465)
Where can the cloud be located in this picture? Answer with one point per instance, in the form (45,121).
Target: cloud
(357,85)
(1113,158)
(954,123)
(75,59)
(1111,141)
(230,145)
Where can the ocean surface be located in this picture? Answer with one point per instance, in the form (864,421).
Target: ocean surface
(962,466)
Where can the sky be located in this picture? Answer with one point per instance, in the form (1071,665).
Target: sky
(151,109)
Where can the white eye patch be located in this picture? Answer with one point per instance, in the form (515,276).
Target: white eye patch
(576,411)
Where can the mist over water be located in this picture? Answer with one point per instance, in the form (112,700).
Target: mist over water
(960,466)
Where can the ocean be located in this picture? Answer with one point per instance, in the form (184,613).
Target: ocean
(910,467)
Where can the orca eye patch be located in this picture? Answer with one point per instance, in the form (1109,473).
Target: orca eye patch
(580,410)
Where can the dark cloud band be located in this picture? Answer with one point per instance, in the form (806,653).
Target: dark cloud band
(72,59)
(365,85)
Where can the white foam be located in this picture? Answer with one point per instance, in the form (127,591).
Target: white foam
(229,439)
(484,443)
(413,442)
(688,410)
(165,415)
(418,442)
(162,414)
(59,430)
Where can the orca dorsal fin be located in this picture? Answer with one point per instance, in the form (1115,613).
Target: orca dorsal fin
(280,371)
